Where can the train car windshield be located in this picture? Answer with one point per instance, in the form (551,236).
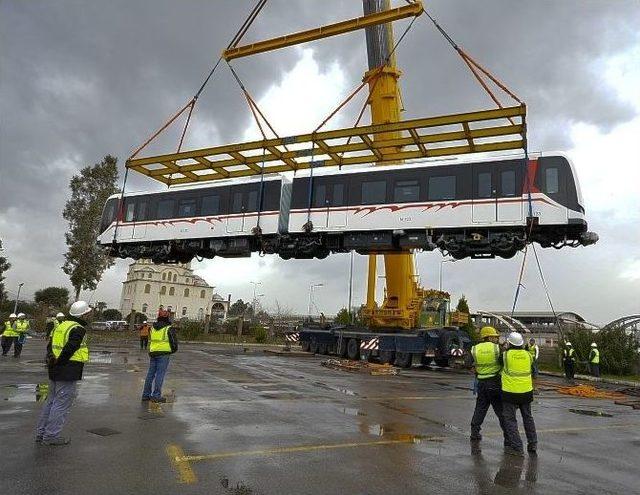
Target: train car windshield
(108,214)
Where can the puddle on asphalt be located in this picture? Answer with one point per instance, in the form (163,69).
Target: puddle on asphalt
(350,411)
(590,412)
(108,357)
(390,432)
(344,391)
(25,392)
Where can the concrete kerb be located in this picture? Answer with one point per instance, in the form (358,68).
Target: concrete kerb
(588,378)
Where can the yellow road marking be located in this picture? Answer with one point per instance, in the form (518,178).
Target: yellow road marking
(300,448)
(577,428)
(177,457)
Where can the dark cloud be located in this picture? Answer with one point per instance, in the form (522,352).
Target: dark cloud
(82,79)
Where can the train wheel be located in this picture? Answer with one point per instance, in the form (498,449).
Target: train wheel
(353,349)
(442,362)
(313,347)
(305,344)
(387,357)
(403,359)
(323,348)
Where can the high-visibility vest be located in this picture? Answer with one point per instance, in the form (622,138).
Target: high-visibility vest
(533,350)
(569,354)
(6,327)
(55,323)
(516,371)
(159,339)
(60,337)
(595,359)
(22,326)
(9,330)
(486,357)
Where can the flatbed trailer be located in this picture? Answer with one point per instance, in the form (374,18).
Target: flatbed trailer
(402,348)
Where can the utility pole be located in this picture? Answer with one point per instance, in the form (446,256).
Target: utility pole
(15,306)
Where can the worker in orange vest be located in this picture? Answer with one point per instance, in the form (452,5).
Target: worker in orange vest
(144,335)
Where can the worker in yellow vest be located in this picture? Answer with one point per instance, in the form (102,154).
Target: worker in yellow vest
(15,334)
(162,343)
(534,350)
(569,361)
(594,360)
(517,394)
(67,352)
(8,334)
(486,364)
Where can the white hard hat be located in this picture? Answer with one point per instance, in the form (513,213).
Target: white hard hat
(21,315)
(568,344)
(593,344)
(60,315)
(79,308)
(12,315)
(515,338)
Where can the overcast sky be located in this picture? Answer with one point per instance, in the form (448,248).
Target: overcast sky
(82,79)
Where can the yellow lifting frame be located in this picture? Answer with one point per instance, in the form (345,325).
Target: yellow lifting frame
(411,10)
(474,132)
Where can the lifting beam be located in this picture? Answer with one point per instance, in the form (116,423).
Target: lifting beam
(389,15)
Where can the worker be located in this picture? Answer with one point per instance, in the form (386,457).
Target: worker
(534,350)
(53,323)
(67,352)
(22,327)
(517,393)
(163,343)
(8,334)
(569,361)
(486,363)
(144,335)
(594,360)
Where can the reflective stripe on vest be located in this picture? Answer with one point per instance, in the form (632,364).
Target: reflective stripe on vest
(159,340)
(486,359)
(569,354)
(596,356)
(516,371)
(60,337)
(9,330)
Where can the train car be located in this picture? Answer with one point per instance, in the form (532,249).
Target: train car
(227,218)
(480,208)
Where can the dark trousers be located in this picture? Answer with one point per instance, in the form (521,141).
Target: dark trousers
(511,435)
(489,394)
(595,369)
(144,342)
(7,342)
(569,369)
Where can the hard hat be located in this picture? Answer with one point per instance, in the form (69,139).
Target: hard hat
(568,344)
(21,315)
(79,308)
(593,344)
(60,315)
(12,315)
(488,332)
(515,338)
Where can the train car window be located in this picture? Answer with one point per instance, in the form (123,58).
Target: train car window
(130,210)
(141,213)
(374,192)
(406,191)
(551,180)
(442,188)
(252,201)
(166,208)
(210,205)
(508,182)
(484,185)
(320,196)
(338,195)
(236,204)
(187,208)
(108,215)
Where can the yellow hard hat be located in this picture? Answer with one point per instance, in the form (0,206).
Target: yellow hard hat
(488,332)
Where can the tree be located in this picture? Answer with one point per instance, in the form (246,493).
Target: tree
(85,262)
(100,306)
(343,317)
(4,266)
(463,305)
(239,308)
(53,297)
(111,315)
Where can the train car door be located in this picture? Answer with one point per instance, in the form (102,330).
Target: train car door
(336,203)
(484,202)
(237,210)
(244,208)
(509,182)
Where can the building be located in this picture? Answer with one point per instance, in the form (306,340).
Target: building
(150,287)
(544,326)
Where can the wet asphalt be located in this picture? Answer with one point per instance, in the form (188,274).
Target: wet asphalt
(244,422)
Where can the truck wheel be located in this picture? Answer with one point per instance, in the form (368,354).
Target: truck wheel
(322,348)
(403,359)
(353,349)
(341,347)
(387,357)
(313,348)
(442,362)
(305,345)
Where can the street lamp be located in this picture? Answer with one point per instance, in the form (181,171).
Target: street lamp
(441,264)
(15,306)
(254,300)
(311,289)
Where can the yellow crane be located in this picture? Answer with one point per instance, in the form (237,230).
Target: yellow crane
(388,139)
